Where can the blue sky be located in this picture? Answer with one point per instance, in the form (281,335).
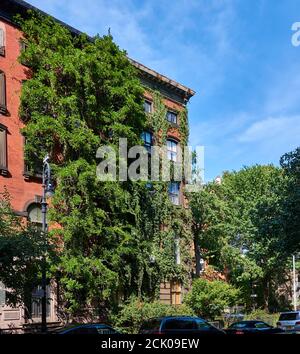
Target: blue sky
(236,54)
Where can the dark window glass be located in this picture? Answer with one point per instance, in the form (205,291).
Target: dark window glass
(180,324)
(239,325)
(36,304)
(2,92)
(288,316)
(2,42)
(261,325)
(200,324)
(172,117)
(3,149)
(147,106)
(147,138)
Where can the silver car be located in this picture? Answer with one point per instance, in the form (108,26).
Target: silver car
(289,321)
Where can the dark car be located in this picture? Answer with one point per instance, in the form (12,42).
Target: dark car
(179,325)
(94,328)
(252,327)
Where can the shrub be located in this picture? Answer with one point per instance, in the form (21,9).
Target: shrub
(131,315)
(263,315)
(209,298)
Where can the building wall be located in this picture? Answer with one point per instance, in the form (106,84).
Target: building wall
(22,190)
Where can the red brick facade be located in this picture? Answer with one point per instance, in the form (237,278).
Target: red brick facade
(21,190)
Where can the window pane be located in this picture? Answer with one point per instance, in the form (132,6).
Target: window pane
(174,188)
(147,106)
(172,117)
(172,150)
(3,162)
(1,37)
(2,91)
(180,324)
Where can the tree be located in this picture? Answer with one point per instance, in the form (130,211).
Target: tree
(209,298)
(290,162)
(239,227)
(21,248)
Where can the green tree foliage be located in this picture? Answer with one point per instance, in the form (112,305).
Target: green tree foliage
(238,225)
(21,248)
(290,162)
(209,298)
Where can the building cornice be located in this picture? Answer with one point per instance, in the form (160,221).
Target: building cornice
(9,8)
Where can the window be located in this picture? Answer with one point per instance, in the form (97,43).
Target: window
(147,137)
(172,150)
(3,150)
(147,106)
(172,117)
(202,325)
(180,324)
(174,188)
(2,42)
(2,294)
(36,302)
(2,93)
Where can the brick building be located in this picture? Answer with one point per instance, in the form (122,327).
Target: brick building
(24,188)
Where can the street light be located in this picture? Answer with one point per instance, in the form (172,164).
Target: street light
(48,191)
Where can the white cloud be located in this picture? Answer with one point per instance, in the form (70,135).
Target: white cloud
(276,133)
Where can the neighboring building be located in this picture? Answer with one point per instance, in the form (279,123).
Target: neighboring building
(25,188)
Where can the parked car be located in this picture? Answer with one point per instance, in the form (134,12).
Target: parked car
(289,321)
(179,325)
(93,328)
(252,327)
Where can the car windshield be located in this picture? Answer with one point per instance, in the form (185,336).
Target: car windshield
(240,325)
(291,316)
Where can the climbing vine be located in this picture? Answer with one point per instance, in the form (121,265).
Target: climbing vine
(117,238)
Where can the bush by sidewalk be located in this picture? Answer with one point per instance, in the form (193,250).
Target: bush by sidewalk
(133,313)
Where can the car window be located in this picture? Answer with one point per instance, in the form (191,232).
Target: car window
(200,324)
(181,324)
(239,325)
(153,324)
(292,316)
(261,325)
